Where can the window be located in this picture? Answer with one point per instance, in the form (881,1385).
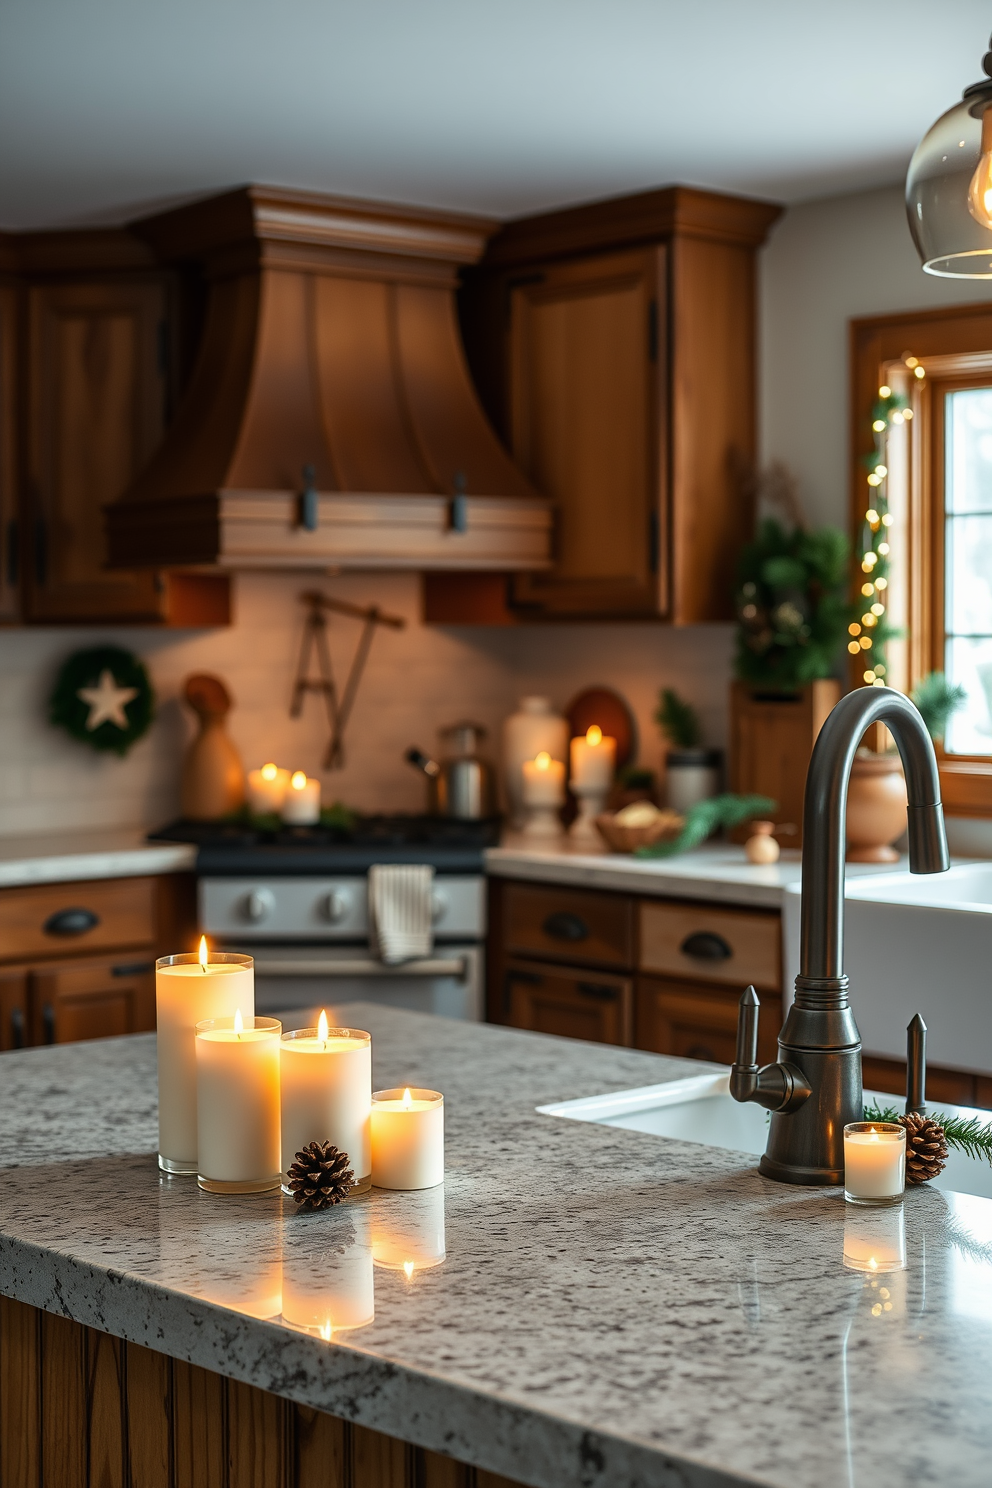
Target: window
(967,421)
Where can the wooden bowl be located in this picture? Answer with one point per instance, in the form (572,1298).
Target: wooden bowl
(621,839)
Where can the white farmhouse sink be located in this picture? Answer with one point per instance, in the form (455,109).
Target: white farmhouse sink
(701,1109)
(916,943)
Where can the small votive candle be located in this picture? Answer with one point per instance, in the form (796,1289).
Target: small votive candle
(267,789)
(301,807)
(592,759)
(237,1104)
(189,988)
(407,1138)
(326,1082)
(874,1162)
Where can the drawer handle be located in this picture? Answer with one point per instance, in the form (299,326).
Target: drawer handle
(600,990)
(132,968)
(706,945)
(700,1051)
(71,922)
(17,1028)
(48,1023)
(564,925)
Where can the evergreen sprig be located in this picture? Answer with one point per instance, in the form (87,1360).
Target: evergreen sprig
(937,698)
(972,1136)
(792,605)
(703,819)
(678,720)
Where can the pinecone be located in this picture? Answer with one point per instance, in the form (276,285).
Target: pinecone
(320,1176)
(926,1147)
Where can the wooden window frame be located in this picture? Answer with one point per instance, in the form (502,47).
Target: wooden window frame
(954,346)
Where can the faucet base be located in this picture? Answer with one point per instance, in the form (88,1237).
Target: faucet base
(812,1177)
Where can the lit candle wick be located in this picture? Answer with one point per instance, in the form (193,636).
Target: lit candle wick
(322,1026)
(594,735)
(543,760)
(298,780)
(269,772)
(407,1099)
(239,1022)
(203,953)
(408,1269)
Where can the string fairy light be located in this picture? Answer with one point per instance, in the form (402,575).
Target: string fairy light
(869,635)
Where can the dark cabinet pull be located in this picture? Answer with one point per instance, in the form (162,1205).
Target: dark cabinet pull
(564,925)
(132,968)
(700,1051)
(600,990)
(48,1022)
(706,945)
(73,921)
(17,1028)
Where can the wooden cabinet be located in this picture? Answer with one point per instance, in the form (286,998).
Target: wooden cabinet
(590,927)
(95,998)
(698,1020)
(712,943)
(614,348)
(9,527)
(14,1032)
(573,1004)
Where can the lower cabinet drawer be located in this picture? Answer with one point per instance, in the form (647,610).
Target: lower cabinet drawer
(95,998)
(73,919)
(573,1004)
(697,1021)
(588,926)
(736,946)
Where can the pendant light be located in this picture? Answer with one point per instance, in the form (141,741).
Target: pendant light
(949,187)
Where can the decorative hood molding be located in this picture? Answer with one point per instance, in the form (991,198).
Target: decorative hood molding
(330,418)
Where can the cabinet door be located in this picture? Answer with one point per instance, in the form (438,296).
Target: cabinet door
(97,408)
(13,1009)
(589,926)
(93,999)
(570,1003)
(9,532)
(697,1021)
(584,401)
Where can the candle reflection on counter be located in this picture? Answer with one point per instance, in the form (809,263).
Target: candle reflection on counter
(327,1279)
(408,1231)
(875,1240)
(236,1262)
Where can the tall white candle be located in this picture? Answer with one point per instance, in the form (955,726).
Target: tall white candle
(301,806)
(874,1162)
(593,759)
(407,1138)
(189,988)
(267,789)
(327,1095)
(237,1104)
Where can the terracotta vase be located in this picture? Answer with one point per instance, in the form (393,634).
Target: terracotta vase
(213,779)
(876,808)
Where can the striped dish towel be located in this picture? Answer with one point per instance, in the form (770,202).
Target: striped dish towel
(400,919)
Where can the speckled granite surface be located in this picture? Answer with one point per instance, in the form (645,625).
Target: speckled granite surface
(613,1309)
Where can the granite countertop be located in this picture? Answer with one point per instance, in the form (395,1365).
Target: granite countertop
(65,857)
(613,1309)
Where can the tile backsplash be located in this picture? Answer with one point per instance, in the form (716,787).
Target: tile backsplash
(416,680)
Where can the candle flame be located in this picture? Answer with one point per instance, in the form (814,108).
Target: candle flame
(322,1026)
(543,760)
(203,953)
(239,1022)
(299,780)
(408,1269)
(594,735)
(407,1099)
(873,1134)
(873,1263)
(324,1330)
(269,771)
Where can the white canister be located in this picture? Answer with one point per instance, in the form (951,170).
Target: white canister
(534,728)
(691,776)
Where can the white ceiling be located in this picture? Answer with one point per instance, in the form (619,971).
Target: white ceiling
(497,106)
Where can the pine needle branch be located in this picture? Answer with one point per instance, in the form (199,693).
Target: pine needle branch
(972,1136)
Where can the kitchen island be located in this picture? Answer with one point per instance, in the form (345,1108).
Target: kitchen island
(612,1309)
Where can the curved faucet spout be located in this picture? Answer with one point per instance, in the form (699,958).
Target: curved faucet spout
(825,818)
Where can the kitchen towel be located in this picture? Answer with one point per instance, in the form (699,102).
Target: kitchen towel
(400,911)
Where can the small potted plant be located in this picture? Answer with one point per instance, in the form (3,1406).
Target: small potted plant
(692,771)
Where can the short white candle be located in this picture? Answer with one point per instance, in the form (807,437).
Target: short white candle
(237,1104)
(301,807)
(267,789)
(407,1138)
(544,781)
(593,759)
(329,1286)
(189,988)
(874,1162)
(327,1095)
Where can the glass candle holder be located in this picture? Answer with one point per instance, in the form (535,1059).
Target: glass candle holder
(186,993)
(326,1082)
(407,1138)
(237,1104)
(874,1162)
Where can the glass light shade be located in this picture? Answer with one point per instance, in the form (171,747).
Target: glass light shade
(945,191)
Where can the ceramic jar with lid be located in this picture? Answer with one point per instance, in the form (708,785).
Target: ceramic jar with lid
(533,728)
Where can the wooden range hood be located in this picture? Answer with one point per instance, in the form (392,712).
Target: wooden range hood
(330,419)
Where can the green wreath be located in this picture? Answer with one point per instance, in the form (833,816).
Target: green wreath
(103,698)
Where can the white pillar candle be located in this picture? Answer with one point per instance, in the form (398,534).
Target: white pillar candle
(874,1162)
(189,988)
(593,759)
(267,789)
(544,781)
(329,1286)
(301,807)
(326,1080)
(237,1104)
(408,1232)
(407,1138)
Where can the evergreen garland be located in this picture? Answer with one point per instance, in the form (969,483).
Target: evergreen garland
(67,710)
(792,605)
(973,1136)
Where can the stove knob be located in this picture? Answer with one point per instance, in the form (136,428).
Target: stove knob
(439,906)
(336,905)
(258,905)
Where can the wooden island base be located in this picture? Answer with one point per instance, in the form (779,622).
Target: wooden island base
(80,1409)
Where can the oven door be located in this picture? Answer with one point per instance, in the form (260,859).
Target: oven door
(449,982)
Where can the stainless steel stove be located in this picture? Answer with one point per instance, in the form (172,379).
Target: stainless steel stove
(295,898)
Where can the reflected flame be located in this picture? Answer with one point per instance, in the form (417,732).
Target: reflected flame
(543,760)
(269,772)
(325,1330)
(299,780)
(407,1099)
(594,735)
(203,953)
(322,1026)
(408,1269)
(239,1022)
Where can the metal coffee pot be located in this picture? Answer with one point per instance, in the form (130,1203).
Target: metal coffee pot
(462,784)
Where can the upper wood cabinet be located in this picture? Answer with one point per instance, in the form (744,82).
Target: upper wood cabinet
(614,348)
(9,528)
